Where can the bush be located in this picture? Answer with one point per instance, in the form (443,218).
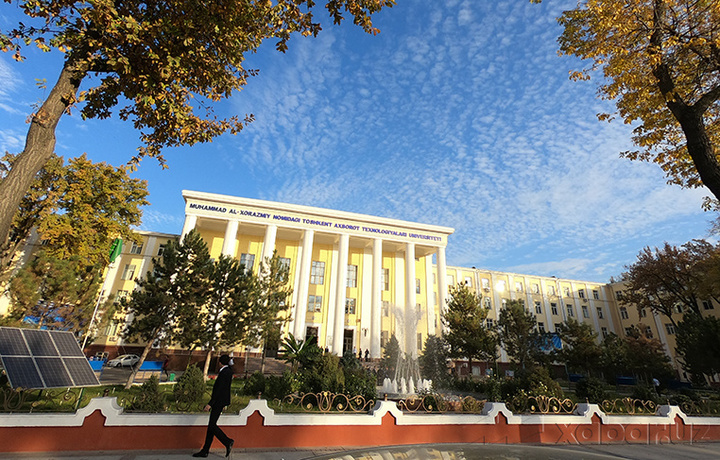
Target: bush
(325,375)
(190,387)
(644,393)
(361,382)
(592,389)
(149,399)
(278,386)
(254,384)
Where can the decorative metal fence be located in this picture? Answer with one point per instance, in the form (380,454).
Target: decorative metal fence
(326,401)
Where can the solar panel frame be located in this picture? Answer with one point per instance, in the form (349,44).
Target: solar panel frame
(34,358)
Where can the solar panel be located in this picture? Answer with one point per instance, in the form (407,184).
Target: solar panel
(35,358)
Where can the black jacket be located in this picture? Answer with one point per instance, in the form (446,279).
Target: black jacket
(221,388)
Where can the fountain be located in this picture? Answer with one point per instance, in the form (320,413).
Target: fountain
(407,380)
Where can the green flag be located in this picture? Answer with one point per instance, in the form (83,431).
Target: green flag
(115,249)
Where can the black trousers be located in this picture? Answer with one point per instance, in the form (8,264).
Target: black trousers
(213,430)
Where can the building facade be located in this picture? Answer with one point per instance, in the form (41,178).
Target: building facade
(358,280)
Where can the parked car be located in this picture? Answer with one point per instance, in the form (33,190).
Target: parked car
(123,360)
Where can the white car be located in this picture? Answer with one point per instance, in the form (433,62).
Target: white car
(123,360)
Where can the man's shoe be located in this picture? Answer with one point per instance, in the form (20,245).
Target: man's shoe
(229,447)
(202,453)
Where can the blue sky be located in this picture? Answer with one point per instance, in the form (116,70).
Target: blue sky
(459,113)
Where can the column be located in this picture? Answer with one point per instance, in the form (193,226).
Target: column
(376,312)
(305,265)
(228,247)
(190,222)
(410,301)
(441,280)
(340,294)
(429,291)
(269,243)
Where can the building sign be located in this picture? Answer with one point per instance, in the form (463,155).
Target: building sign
(346,226)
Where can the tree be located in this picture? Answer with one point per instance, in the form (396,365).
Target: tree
(615,359)
(580,348)
(660,64)
(392,354)
(155,59)
(55,293)
(698,345)
(77,210)
(271,302)
(467,334)
(175,288)
(663,278)
(518,335)
(646,356)
(223,309)
(433,361)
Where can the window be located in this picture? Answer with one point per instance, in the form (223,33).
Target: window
(569,309)
(128,272)
(487,303)
(419,341)
(489,323)
(566,291)
(623,313)
(642,313)
(553,308)
(351,276)
(314,303)
(596,294)
(136,248)
(518,286)
(678,308)
(619,295)
(629,331)
(417,285)
(386,308)
(247,261)
(538,308)
(450,280)
(648,332)
(112,327)
(541,327)
(161,249)
(317,272)
(350,306)
(535,288)
(581,293)
(385,279)
(284,263)
(670,328)
(485,283)
(586,313)
(310,332)
(604,331)
(551,290)
(504,303)
(600,312)
(707,305)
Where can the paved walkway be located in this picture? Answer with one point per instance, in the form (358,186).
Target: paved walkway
(696,451)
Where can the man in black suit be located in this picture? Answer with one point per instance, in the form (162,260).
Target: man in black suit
(218,400)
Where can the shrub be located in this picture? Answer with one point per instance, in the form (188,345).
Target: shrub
(254,384)
(324,375)
(149,399)
(644,393)
(592,389)
(278,386)
(190,387)
(360,381)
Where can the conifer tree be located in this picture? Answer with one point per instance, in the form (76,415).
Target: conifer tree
(516,330)
(467,333)
(173,289)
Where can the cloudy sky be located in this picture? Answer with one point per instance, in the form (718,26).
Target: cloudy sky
(459,113)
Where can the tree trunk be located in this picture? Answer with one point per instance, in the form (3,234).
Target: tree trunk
(147,349)
(39,147)
(701,150)
(206,367)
